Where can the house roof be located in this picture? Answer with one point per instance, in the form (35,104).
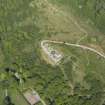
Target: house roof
(32,97)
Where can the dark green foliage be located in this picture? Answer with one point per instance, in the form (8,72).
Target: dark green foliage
(7,101)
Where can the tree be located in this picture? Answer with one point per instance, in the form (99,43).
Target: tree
(7,101)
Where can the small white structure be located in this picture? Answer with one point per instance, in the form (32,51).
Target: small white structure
(32,97)
(52,53)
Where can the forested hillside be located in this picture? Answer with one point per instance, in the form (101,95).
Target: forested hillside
(79,78)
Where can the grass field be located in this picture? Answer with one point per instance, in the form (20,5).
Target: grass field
(91,11)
